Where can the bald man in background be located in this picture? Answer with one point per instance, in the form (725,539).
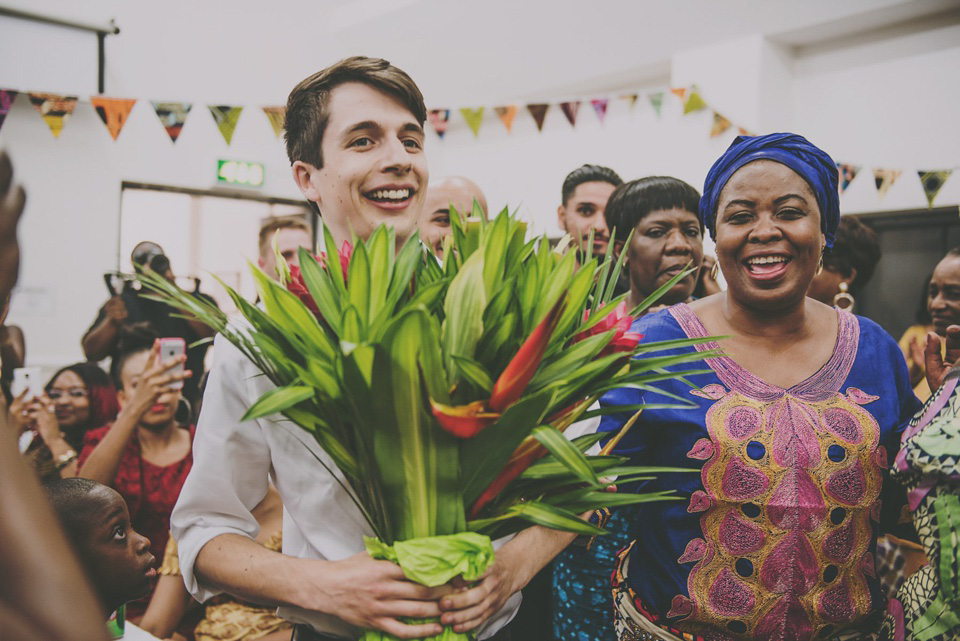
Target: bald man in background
(435,220)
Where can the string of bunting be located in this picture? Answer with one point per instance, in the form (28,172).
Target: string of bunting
(56,109)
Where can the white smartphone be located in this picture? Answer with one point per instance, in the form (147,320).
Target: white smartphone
(26,378)
(171,348)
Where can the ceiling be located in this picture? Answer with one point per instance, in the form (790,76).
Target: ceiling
(459,52)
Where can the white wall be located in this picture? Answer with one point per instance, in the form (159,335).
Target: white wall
(890,103)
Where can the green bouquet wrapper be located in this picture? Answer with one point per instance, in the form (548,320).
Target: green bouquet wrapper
(433,561)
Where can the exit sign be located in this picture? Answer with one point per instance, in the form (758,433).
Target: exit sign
(237,172)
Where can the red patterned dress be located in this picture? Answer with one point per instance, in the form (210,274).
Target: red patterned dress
(150,492)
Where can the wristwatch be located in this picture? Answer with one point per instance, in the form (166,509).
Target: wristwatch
(64,459)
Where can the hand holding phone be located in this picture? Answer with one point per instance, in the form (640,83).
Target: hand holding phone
(171,349)
(26,379)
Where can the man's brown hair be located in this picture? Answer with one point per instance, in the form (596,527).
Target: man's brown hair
(307,113)
(271,226)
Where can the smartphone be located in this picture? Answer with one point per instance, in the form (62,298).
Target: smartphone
(26,378)
(171,348)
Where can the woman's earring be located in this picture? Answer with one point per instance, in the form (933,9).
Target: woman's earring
(844,301)
(820,265)
(715,270)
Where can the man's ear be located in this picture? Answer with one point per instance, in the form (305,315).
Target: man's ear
(260,262)
(302,172)
(562,218)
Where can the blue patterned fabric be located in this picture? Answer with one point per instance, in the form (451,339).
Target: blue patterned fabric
(582,602)
(797,153)
(774,536)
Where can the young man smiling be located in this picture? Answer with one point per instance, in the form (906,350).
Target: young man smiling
(355,141)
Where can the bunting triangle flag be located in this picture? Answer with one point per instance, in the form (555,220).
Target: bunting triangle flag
(631,99)
(656,101)
(884,178)
(720,125)
(172,115)
(694,102)
(745,132)
(570,110)
(600,106)
(7,96)
(54,109)
(679,93)
(474,118)
(539,113)
(439,118)
(847,174)
(932,181)
(506,115)
(113,112)
(226,117)
(277,117)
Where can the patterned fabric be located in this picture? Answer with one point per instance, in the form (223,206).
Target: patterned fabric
(776,536)
(581,584)
(226,618)
(150,493)
(927,607)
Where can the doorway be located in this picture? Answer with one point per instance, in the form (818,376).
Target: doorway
(912,242)
(207,235)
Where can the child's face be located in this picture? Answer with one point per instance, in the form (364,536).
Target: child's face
(117,558)
(374,168)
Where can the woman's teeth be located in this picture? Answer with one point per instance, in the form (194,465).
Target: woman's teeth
(766,264)
(390,194)
(763,260)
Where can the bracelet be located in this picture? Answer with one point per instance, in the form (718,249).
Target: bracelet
(64,459)
(599,518)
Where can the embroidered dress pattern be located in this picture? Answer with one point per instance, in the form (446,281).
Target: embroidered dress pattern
(791,480)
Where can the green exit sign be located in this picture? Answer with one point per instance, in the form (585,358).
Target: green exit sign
(237,172)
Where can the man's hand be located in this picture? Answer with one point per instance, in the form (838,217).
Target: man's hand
(915,363)
(468,608)
(937,365)
(370,594)
(116,310)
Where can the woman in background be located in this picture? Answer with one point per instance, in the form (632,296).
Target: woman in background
(847,266)
(78,398)
(667,238)
(144,455)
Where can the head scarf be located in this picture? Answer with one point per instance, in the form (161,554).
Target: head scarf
(812,163)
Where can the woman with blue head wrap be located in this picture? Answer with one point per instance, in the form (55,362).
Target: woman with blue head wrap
(790,428)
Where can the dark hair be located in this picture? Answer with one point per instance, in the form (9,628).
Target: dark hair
(632,201)
(100,391)
(588,174)
(855,247)
(134,338)
(68,497)
(307,114)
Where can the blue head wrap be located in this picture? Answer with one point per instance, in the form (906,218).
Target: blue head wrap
(812,163)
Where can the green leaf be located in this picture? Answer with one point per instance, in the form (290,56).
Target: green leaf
(277,400)
(464,305)
(474,373)
(333,261)
(358,284)
(321,289)
(495,250)
(660,291)
(380,249)
(565,452)
(553,518)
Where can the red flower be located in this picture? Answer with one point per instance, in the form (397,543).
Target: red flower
(298,287)
(619,320)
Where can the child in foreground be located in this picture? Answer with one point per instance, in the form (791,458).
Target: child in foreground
(116,559)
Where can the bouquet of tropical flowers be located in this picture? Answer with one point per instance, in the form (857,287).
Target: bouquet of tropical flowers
(441,391)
